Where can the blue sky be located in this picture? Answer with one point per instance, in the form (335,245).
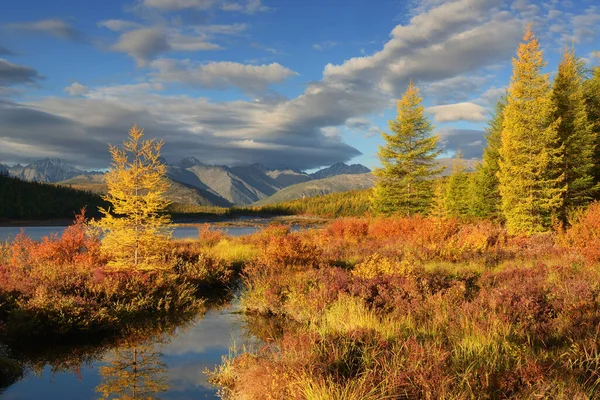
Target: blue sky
(284,83)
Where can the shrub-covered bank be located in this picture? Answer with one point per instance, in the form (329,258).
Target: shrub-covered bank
(423,308)
(61,286)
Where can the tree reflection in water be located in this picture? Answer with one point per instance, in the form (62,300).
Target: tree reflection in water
(135,372)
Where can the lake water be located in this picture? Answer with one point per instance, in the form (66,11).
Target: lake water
(165,366)
(182,232)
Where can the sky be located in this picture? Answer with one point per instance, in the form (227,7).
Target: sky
(294,83)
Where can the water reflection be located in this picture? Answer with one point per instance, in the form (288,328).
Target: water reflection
(136,372)
(162,359)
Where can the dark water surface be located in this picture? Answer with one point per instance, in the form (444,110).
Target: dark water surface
(162,365)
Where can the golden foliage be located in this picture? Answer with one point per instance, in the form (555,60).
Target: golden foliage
(135,230)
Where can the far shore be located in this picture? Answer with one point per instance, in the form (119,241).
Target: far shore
(182,220)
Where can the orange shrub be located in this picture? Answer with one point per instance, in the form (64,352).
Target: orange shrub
(349,228)
(74,246)
(208,236)
(584,234)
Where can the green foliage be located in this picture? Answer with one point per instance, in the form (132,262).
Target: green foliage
(408,158)
(576,134)
(334,205)
(531,183)
(592,98)
(484,191)
(34,200)
(457,188)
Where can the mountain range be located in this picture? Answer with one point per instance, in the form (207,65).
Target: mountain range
(193,182)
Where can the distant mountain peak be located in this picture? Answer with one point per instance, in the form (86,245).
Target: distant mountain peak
(45,170)
(340,168)
(189,162)
(260,167)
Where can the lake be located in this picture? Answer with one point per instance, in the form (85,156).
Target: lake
(180,232)
(165,366)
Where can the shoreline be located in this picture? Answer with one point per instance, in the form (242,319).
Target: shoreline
(235,221)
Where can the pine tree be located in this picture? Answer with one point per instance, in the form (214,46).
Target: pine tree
(457,200)
(408,160)
(592,95)
(530,181)
(135,230)
(484,183)
(576,133)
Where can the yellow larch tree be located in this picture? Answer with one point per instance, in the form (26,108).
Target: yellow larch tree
(135,228)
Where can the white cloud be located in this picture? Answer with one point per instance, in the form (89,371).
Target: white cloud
(459,112)
(221,75)
(76,89)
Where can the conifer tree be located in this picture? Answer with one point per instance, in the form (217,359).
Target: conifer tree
(476,195)
(135,230)
(484,191)
(457,199)
(576,134)
(408,160)
(592,95)
(530,180)
(438,204)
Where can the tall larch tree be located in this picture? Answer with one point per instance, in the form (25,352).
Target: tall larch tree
(592,95)
(135,228)
(577,137)
(485,194)
(530,180)
(457,199)
(404,183)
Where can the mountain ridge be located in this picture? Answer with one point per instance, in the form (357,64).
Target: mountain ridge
(191,179)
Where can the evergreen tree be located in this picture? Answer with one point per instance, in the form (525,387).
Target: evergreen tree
(438,204)
(484,184)
(135,228)
(404,183)
(576,134)
(457,199)
(530,180)
(592,95)
(476,194)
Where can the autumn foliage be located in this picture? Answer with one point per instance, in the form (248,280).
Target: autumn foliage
(421,307)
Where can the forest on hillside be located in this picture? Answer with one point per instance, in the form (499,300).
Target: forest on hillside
(33,200)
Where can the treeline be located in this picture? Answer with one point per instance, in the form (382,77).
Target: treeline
(541,163)
(32,200)
(344,204)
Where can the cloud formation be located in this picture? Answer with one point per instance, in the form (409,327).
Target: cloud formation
(145,43)
(458,112)
(221,75)
(14,74)
(469,141)
(449,48)
(76,89)
(245,6)
(53,27)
